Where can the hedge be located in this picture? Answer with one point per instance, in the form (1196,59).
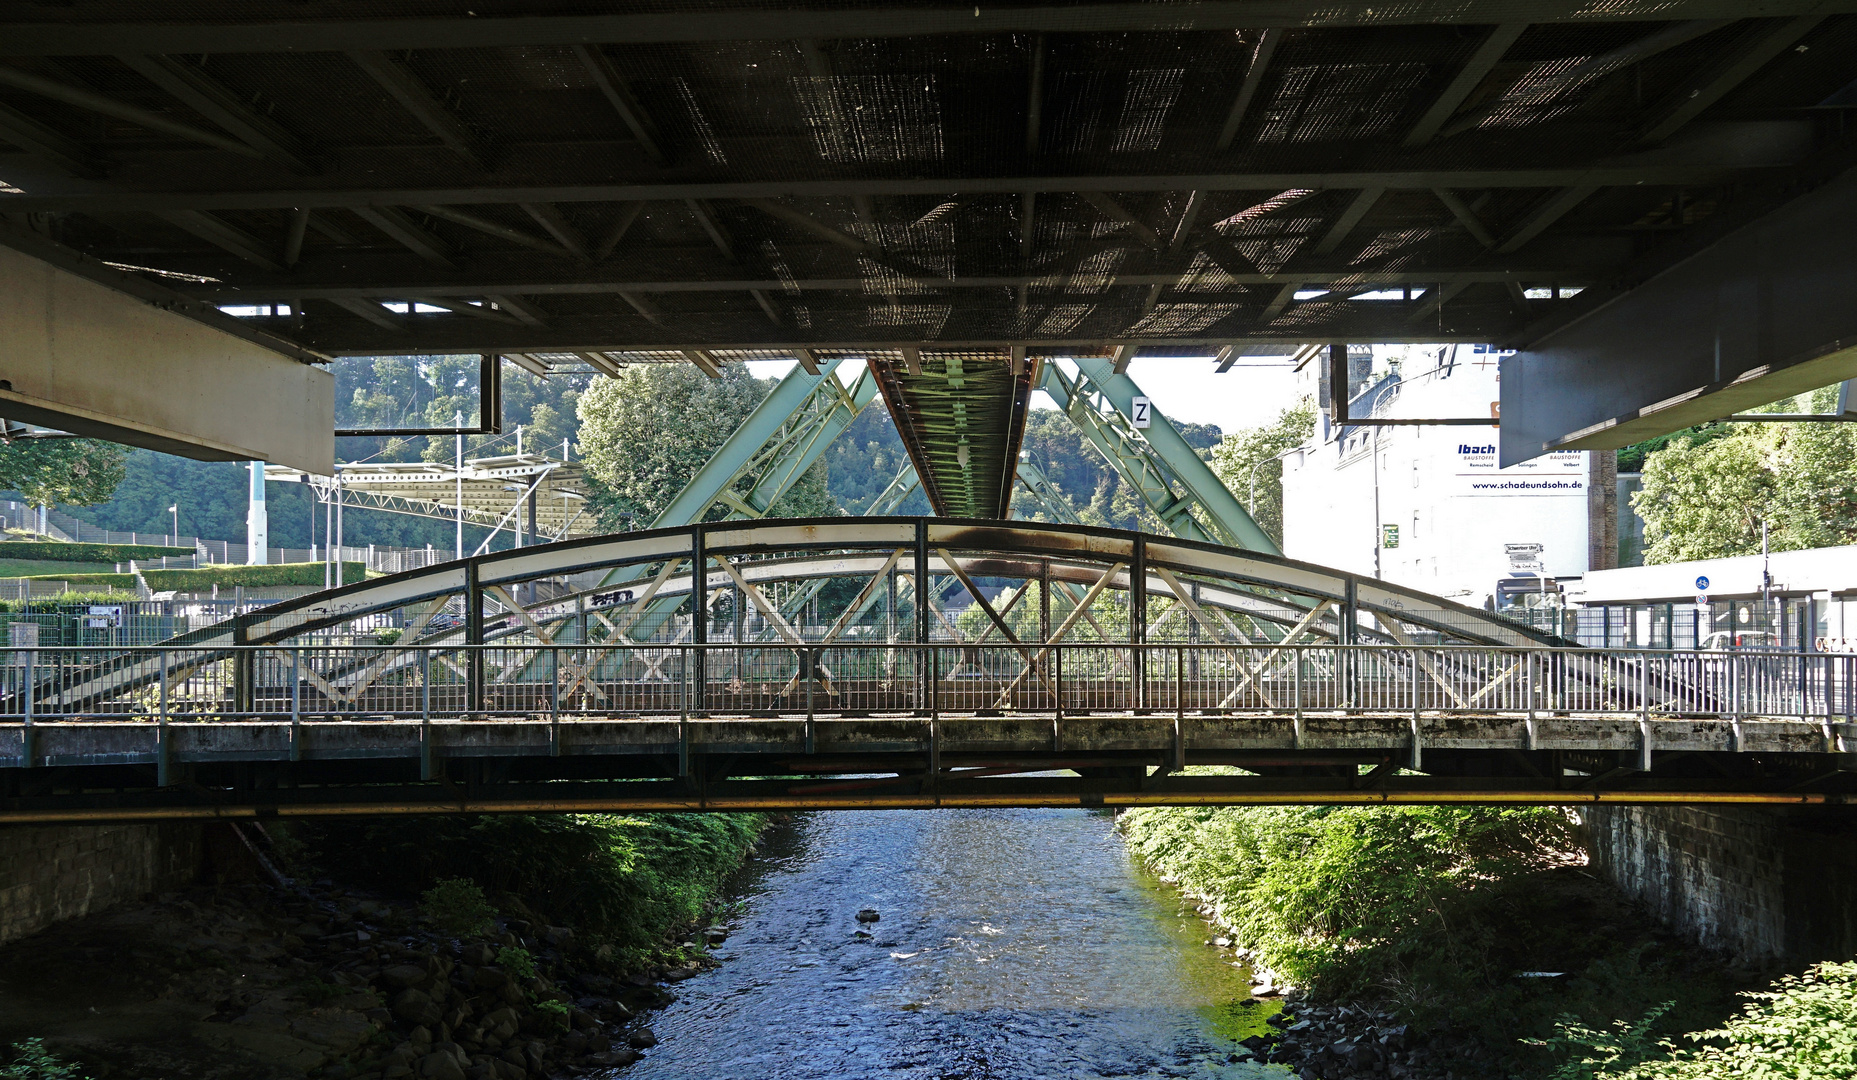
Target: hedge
(55,551)
(223,576)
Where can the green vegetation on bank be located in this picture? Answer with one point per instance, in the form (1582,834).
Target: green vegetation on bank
(61,551)
(224,576)
(1435,912)
(1804,1026)
(623,882)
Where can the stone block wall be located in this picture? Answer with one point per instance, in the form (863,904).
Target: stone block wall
(54,872)
(1764,885)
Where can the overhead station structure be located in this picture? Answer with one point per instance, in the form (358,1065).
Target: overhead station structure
(1647,199)
(534,497)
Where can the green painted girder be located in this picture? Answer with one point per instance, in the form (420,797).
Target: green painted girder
(961,416)
(1171,478)
(1047,497)
(784,436)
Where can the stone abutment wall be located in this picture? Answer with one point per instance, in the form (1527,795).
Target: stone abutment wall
(54,872)
(1768,886)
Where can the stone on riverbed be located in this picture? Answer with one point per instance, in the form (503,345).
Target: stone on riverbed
(869,915)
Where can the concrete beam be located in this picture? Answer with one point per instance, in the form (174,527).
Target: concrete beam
(90,359)
(1760,315)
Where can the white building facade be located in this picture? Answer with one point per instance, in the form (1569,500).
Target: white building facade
(1426,506)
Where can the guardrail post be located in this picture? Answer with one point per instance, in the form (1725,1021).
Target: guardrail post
(1529,688)
(809,668)
(427,757)
(27,736)
(1296,651)
(699,622)
(927,682)
(163,755)
(1179,707)
(473,640)
(1417,749)
(1057,683)
(1138,620)
(934,747)
(296,703)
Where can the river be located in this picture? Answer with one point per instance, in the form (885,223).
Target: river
(1012,945)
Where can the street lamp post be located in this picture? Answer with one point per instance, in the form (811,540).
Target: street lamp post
(175,512)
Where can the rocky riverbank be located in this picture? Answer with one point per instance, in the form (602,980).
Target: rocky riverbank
(279,981)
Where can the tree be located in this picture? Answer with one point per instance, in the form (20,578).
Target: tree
(72,472)
(644,435)
(1257,450)
(1705,500)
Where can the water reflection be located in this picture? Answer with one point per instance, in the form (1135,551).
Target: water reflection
(1013,944)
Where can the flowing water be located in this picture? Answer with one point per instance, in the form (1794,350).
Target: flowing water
(1013,945)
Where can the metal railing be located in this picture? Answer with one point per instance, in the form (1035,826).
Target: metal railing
(162,684)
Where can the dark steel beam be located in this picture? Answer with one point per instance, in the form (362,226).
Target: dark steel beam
(1714,80)
(1350,217)
(207,96)
(405,87)
(1466,217)
(46,37)
(1115,211)
(1468,78)
(1261,53)
(221,234)
(35,138)
(494,228)
(628,214)
(619,95)
(108,106)
(1627,174)
(409,233)
(549,217)
(1645,47)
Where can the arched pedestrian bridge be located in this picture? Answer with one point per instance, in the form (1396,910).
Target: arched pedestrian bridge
(895,662)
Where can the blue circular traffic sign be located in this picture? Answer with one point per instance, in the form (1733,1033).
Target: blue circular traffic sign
(1702,582)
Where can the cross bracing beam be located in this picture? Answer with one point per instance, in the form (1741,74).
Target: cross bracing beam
(46,37)
(1172,479)
(1604,174)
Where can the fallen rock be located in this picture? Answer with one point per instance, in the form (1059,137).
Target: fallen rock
(440,1066)
(401,976)
(869,915)
(611,1058)
(417,1008)
(642,1039)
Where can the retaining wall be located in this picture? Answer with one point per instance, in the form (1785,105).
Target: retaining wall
(1764,885)
(54,872)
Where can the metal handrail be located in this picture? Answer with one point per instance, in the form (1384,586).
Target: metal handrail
(294,684)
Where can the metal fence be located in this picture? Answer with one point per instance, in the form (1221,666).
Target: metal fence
(373,681)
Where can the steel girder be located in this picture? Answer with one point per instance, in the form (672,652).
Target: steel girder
(1169,475)
(961,416)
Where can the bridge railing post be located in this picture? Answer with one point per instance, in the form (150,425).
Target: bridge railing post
(27,734)
(809,668)
(426,754)
(296,703)
(163,755)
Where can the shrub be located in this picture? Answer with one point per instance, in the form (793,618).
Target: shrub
(31,1061)
(627,881)
(518,962)
(1331,895)
(57,551)
(224,576)
(1804,1026)
(457,906)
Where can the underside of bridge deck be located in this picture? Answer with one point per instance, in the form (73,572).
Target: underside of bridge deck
(674,184)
